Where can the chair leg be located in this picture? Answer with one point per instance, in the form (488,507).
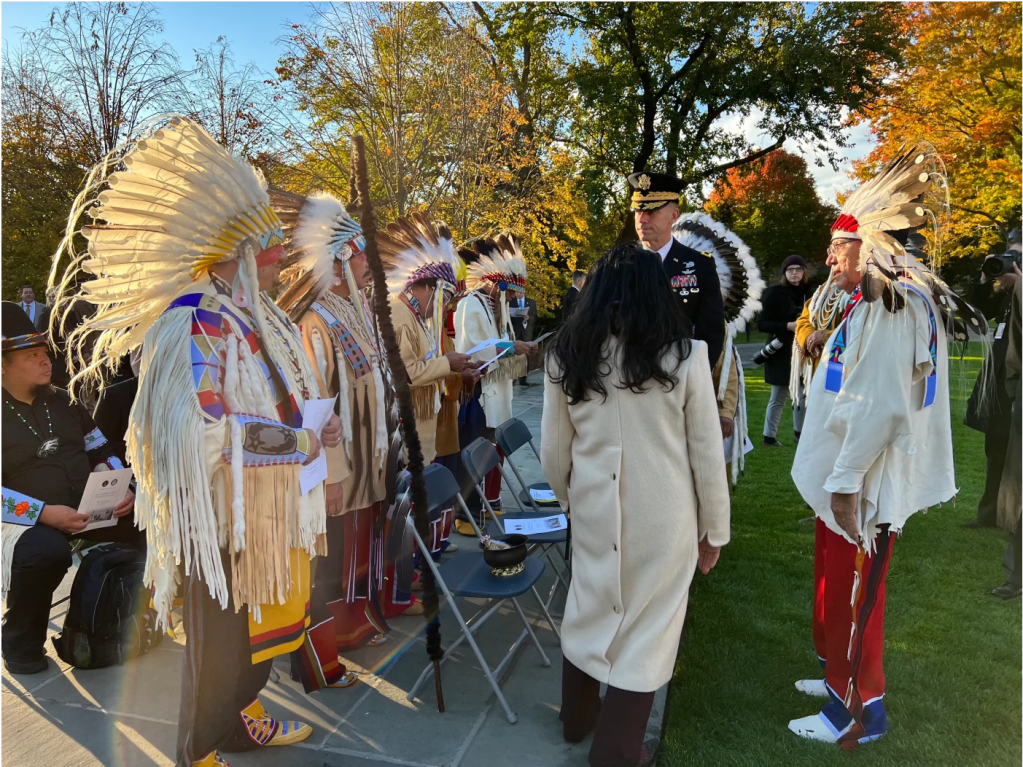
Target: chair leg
(529,629)
(512,718)
(546,614)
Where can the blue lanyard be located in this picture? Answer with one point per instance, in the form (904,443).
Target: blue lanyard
(836,369)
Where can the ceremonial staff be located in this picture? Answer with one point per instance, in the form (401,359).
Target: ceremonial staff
(403,393)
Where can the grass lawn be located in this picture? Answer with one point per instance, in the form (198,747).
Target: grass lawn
(952,652)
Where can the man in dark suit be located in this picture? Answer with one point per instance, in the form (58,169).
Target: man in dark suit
(569,300)
(693,275)
(523,315)
(37,312)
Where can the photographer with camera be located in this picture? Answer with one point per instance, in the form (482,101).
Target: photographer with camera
(990,406)
(782,305)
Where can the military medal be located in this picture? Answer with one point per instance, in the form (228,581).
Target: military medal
(47,447)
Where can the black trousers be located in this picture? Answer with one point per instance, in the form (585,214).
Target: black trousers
(996,443)
(620,721)
(218,678)
(42,557)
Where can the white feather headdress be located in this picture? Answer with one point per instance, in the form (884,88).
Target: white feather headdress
(741,284)
(500,261)
(167,206)
(909,192)
(413,249)
(318,231)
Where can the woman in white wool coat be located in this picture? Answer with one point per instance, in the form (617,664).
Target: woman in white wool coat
(632,447)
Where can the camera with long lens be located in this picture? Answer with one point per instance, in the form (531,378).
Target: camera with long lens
(770,349)
(996,265)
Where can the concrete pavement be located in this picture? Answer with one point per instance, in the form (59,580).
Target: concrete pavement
(127,715)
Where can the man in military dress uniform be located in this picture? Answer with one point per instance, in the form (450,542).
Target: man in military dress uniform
(693,276)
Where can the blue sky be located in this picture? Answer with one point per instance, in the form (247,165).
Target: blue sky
(253,29)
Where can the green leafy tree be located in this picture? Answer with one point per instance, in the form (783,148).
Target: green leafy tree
(657,78)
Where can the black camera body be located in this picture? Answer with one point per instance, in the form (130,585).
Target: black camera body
(996,265)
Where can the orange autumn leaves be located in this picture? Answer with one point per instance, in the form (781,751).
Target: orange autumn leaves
(959,88)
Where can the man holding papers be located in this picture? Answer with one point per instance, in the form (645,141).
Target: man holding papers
(483,328)
(421,263)
(324,293)
(216,436)
(50,449)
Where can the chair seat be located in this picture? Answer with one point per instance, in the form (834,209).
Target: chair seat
(558,536)
(527,500)
(467,575)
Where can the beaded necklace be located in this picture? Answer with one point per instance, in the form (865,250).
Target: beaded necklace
(47,447)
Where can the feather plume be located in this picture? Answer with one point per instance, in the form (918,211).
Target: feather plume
(741,283)
(414,249)
(165,206)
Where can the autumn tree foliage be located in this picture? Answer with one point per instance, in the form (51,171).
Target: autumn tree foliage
(773,205)
(960,90)
(446,98)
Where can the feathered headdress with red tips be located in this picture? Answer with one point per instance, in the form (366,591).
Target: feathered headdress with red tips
(908,193)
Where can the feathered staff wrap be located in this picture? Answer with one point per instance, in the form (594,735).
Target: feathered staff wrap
(399,374)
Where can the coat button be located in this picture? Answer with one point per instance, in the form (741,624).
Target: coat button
(613,476)
(614,546)
(616,609)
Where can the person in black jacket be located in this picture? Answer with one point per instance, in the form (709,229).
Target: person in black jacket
(50,448)
(693,275)
(782,305)
(990,407)
(569,300)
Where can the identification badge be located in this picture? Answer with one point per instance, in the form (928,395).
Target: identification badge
(1000,331)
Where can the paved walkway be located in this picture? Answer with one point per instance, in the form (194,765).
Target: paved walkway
(127,716)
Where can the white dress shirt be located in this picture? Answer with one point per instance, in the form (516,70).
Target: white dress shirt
(663,252)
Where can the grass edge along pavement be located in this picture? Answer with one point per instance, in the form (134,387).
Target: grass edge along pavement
(952,651)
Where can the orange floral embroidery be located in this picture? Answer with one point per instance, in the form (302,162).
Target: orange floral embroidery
(21,508)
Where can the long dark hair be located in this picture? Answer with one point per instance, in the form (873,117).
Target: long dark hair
(627,295)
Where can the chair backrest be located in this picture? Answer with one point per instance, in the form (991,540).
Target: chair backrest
(441,488)
(479,458)
(511,435)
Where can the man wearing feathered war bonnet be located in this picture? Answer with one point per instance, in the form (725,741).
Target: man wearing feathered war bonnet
(183,246)
(877,446)
(325,293)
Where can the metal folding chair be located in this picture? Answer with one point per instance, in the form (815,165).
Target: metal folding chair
(467,575)
(480,458)
(512,435)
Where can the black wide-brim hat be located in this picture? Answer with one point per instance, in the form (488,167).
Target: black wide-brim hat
(18,330)
(651,191)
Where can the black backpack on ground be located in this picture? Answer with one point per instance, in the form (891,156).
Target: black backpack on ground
(109,618)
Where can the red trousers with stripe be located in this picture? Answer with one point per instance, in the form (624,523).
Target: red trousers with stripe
(848,615)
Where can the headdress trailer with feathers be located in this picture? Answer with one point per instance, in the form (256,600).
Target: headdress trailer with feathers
(741,288)
(910,191)
(166,206)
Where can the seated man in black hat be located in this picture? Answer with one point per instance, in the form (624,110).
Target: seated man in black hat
(50,447)
(693,275)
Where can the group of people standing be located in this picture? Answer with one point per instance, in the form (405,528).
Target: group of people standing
(631,449)
(643,425)
(186,248)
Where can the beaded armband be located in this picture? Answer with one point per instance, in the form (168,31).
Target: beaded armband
(269,443)
(20,509)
